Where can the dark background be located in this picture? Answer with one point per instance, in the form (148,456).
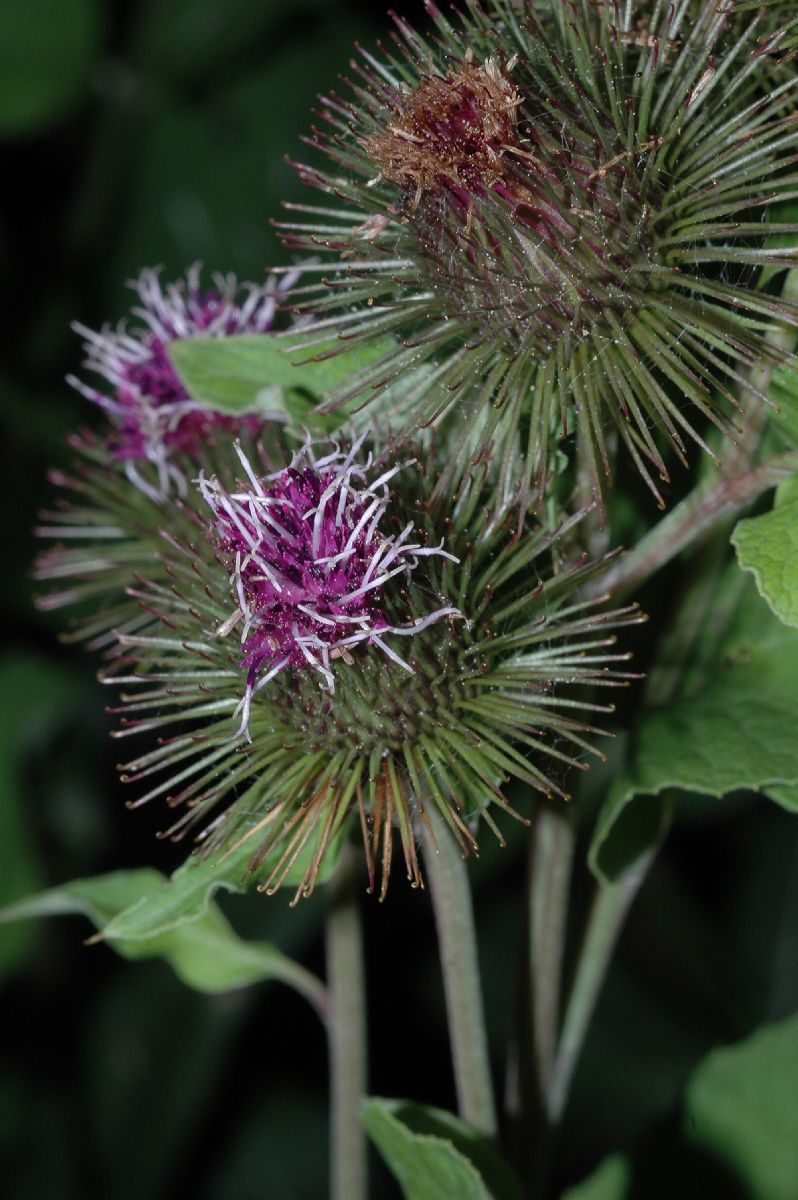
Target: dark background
(138,133)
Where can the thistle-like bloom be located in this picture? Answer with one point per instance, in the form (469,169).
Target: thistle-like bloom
(557,210)
(154,420)
(497,648)
(309,562)
(105,531)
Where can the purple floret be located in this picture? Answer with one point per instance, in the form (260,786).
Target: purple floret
(309,564)
(153,416)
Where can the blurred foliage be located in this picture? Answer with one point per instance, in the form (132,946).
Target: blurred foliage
(154,131)
(32,691)
(610,1181)
(47,53)
(741,1107)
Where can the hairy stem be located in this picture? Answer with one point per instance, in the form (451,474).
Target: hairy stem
(454,918)
(607,915)
(708,507)
(346,1036)
(550,860)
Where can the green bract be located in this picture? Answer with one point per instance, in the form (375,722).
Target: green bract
(105,534)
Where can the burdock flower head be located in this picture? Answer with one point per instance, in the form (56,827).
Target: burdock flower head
(157,438)
(309,561)
(558,212)
(154,420)
(328,645)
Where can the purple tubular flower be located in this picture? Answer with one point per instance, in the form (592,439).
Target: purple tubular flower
(309,561)
(153,415)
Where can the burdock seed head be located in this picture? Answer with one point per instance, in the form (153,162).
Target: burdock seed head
(558,213)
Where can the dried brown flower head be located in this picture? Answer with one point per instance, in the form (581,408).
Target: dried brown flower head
(453,128)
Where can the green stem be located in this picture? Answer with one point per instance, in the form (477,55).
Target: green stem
(734,484)
(551,851)
(346,1036)
(454,918)
(305,983)
(693,523)
(698,516)
(607,915)
(612,901)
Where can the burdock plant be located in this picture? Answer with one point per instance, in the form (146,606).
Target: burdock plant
(560,241)
(557,211)
(343,659)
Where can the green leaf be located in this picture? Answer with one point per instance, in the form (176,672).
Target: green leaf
(184,897)
(46,54)
(433,1155)
(610,1181)
(423,1120)
(742,1106)
(264,372)
(625,831)
(99,898)
(731,729)
(205,953)
(767,546)
(784,794)
(784,393)
(187,895)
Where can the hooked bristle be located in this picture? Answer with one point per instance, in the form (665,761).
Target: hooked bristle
(557,220)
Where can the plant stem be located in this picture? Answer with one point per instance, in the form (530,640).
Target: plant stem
(454,918)
(694,523)
(607,915)
(706,508)
(734,484)
(346,1035)
(702,514)
(612,902)
(551,851)
(305,983)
